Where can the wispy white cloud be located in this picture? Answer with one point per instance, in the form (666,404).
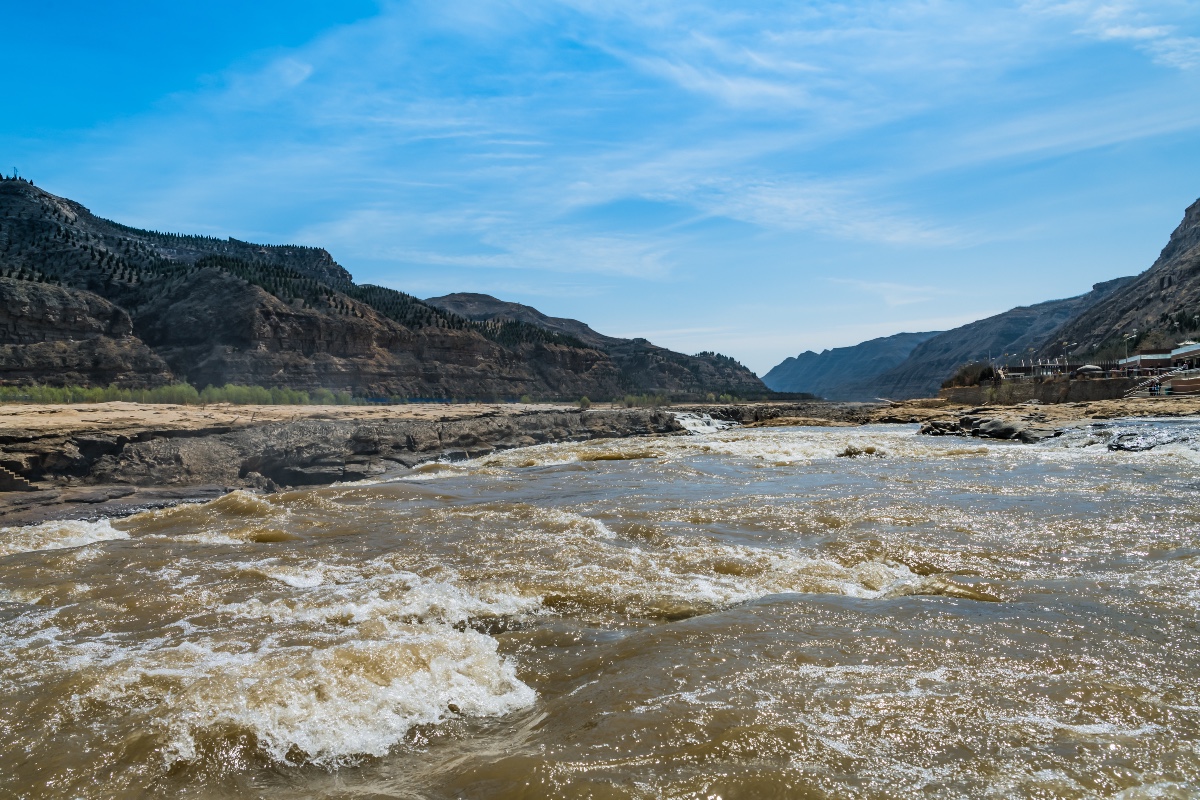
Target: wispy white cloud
(492,139)
(487,241)
(526,132)
(897,294)
(1150,25)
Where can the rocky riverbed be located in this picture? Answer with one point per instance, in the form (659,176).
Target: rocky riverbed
(1028,422)
(111,459)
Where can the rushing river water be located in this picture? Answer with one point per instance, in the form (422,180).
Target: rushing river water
(741,614)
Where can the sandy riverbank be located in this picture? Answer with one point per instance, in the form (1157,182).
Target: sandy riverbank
(45,419)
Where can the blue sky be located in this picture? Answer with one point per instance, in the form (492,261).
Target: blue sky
(757,179)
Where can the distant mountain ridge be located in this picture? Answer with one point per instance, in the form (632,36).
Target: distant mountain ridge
(1021,332)
(484,307)
(639,362)
(1157,308)
(149,307)
(844,373)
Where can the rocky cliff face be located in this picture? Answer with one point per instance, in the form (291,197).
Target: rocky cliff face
(844,373)
(642,366)
(145,307)
(58,336)
(1162,304)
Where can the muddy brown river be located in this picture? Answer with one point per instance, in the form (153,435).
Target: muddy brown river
(737,614)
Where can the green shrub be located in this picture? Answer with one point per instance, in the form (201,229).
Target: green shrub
(972,374)
(179,393)
(646,400)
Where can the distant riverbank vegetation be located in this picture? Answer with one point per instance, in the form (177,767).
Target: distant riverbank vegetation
(643,400)
(972,374)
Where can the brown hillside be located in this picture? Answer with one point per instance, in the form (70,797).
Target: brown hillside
(221,311)
(1162,304)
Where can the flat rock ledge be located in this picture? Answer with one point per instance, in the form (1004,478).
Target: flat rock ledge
(1029,422)
(92,472)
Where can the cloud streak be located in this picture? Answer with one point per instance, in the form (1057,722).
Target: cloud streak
(536,143)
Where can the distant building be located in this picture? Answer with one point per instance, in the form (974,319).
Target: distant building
(1187,354)
(1146,362)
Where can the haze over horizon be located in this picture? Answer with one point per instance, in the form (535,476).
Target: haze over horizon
(756,182)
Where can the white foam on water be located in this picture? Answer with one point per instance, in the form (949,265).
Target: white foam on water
(1134,437)
(1155,791)
(780,447)
(389,596)
(297,576)
(570,559)
(341,666)
(702,423)
(774,446)
(325,705)
(429,471)
(211,537)
(572,519)
(21,596)
(574,557)
(306,573)
(56,536)
(1103,730)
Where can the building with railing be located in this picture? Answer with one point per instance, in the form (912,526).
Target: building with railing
(1145,362)
(1058,368)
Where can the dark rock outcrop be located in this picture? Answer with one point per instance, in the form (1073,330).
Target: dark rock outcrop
(322,451)
(119,462)
(1029,429)
(215,329)
(58,336)
(302,452)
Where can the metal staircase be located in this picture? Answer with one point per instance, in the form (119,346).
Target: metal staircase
(1144,385)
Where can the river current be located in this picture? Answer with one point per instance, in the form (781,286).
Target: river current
(735,614)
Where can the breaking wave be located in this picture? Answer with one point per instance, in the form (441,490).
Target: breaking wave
(56,536)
